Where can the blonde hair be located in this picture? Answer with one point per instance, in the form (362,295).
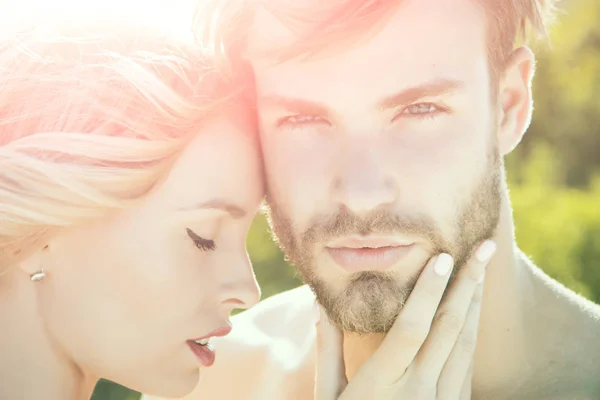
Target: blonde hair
(91,116)
(222,26)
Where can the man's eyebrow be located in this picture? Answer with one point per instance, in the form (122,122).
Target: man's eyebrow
(407,96)
(294,105)
(236,211)
(428,89)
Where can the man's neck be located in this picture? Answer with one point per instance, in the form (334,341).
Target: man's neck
(31,366)
(506,345)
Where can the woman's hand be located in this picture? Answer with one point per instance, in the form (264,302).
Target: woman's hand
(428,352)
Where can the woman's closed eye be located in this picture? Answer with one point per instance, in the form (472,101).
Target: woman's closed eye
(200,242)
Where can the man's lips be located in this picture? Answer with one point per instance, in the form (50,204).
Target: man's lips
(369,253)
(370,241)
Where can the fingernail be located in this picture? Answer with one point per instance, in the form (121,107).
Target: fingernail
(485,251)
(443,264)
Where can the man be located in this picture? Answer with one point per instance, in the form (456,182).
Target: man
(384,125)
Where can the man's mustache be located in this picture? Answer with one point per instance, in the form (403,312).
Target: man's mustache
(381,221)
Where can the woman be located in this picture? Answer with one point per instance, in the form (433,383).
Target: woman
(129,178)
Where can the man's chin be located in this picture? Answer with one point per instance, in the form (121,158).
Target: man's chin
(366,305)
(364,319)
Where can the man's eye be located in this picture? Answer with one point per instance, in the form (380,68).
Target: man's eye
(298,120)
(201,243)
(419,110)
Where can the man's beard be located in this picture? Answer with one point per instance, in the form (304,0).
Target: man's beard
(372,300)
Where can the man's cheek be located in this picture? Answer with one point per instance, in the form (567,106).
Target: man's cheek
(299,176)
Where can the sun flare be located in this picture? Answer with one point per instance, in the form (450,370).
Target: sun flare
(39,12)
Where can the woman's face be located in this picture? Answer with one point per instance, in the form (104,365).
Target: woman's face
(125,296)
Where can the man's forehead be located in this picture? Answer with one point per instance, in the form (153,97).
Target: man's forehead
(423,41)
(280,24)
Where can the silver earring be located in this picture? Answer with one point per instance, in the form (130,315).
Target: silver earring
(38,276)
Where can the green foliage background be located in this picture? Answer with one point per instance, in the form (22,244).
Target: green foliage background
(554,175)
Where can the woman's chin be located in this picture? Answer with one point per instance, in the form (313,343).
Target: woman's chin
(174,387)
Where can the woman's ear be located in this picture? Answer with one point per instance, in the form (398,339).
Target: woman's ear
(34,263)
(515,99)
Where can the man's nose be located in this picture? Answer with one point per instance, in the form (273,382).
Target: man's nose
(363,182)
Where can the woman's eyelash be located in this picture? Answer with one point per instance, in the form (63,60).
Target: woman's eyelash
(201,243)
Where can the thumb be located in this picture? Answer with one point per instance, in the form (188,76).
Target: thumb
(330,376)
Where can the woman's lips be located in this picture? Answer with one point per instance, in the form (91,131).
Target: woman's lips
(203,349)
(205,354)
(357,259)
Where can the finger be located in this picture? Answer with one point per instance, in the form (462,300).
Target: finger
(465,392)
(413,323)
(330,375)
(451,315)
(455,374)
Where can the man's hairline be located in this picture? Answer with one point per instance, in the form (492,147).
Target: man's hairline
(495,71)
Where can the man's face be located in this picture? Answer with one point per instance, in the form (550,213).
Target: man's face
(380,156)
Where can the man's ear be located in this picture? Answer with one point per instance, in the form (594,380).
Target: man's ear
(515,99)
